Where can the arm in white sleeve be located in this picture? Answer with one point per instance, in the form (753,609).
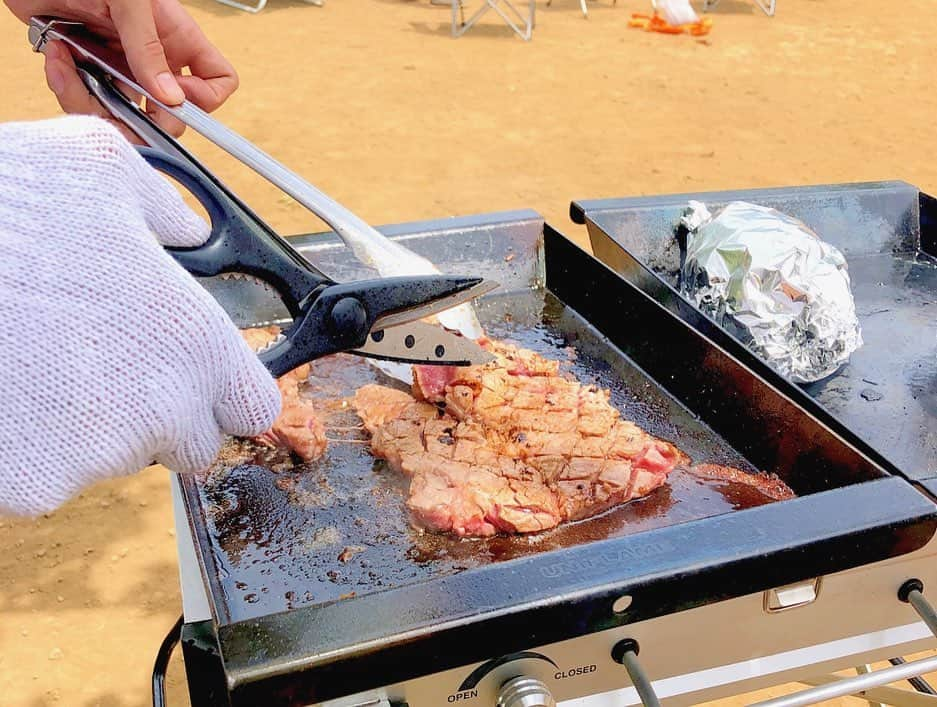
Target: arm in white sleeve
(112,356)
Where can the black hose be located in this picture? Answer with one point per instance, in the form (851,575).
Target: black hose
(162,663)
(919,684)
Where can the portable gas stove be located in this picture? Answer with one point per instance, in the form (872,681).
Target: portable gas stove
(680,597)
(693,592)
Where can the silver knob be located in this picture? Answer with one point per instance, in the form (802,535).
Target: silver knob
(525,692)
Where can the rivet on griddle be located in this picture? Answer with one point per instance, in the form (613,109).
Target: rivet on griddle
(621,604)
(377,336)
(409,342)
(440,351)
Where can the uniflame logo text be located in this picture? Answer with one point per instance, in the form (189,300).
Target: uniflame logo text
(605,559)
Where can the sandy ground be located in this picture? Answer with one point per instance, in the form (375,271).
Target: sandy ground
(377,105)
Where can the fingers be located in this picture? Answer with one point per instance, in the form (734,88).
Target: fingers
(159,39)
(64,81)
(251,401)
(213,77)
(164,120)
(70,91)
(249,404)
(208,91)
(166,213)
(136,26)
(173,223)
(180,43)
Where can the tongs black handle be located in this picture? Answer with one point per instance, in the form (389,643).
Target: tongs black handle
(238,241)
(328,317)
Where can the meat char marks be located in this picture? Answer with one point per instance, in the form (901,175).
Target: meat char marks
(512,446)
(298,427)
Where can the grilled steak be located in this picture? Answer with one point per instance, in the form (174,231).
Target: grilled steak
(298,428)
(511,446)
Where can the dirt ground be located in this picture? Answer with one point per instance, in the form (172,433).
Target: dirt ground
(377,105)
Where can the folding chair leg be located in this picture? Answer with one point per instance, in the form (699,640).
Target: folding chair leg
(459,29)
(522,33)
(261,4)
(466,25)
(458,18)
(767,6)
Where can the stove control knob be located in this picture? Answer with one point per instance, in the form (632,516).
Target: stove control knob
(525,692)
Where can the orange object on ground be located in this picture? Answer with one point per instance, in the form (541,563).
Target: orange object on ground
(656,23)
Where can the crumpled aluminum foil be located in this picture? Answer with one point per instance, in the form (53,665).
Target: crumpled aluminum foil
(771,281)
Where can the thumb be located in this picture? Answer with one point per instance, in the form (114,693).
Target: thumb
(166,214)
(136,28)
(251,399)
(197,448)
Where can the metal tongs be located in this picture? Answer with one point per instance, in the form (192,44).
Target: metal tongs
(375,318)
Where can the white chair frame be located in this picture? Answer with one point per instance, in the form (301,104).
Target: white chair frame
(523,26)
(260,5)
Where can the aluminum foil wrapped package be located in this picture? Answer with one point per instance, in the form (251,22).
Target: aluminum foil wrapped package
(771,281)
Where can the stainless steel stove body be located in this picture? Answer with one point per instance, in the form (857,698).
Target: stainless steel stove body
(715,604)
(851,618)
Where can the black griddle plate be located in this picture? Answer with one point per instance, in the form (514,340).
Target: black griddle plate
(277,538)
(441,601)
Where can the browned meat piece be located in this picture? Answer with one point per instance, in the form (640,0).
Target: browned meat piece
(510,446)
(459,483)
(298,428)
(767,484)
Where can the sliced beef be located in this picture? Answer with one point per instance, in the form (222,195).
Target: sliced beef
(459,482)
(511,446)
(299,427)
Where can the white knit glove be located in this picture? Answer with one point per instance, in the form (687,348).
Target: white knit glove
(112,355)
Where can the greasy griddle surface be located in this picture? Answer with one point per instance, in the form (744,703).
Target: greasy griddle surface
(338,526)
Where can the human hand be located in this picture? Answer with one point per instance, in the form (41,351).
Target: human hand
(159,38)
(113,356)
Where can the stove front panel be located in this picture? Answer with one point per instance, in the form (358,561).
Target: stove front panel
(709,652)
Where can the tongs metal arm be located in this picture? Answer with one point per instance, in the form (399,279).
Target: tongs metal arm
(240,242)
(102,87)
(367,243)
(327,317)
(292,276)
